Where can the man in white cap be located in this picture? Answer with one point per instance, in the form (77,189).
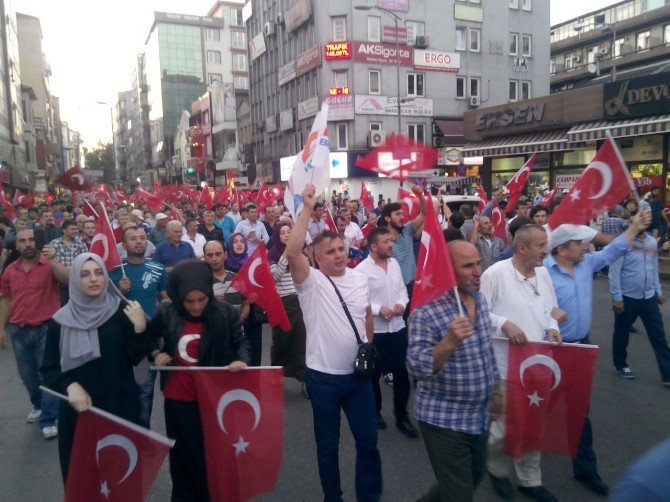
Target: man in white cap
(137,217)
(571,270)
(158,234)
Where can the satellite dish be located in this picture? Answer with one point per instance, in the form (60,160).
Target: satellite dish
(593,69)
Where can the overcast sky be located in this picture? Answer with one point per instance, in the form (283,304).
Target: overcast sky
(91,46)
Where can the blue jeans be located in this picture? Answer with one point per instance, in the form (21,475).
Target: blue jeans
(28,344)
(648,310)
(145,390)
(329,394)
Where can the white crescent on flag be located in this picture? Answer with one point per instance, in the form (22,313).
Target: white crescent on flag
(102,239)
(252,270)
(79,179)
(182,347)
(545,361)
(121,442)
(606,172)
(238,395)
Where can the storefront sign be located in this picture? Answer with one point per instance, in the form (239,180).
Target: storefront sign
(399,5)
(337,50)
(340,108)
(387,105)
(296,15)
(389,35)
(308,60)
(566,180)
(437,61)
(308,108)
(648,181)
(648,95)
(286,73)
(339,166)
(378,53)
(449,156)
(522,114)
(286,120)
(257,46)
(520,65)
(338,91)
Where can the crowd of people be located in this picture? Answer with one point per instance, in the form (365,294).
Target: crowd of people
(93,335)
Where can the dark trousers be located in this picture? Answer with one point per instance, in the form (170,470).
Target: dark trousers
(458,460)
(650,313)
(392,349)
(187,457)
(585,462)
(254,333)
(329,394)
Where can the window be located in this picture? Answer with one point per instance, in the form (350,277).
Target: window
(213,34)
(374,82)
(214,77)
(239,62)
(24,110)
(214,57)
(239,40)
(460,88)
(375,126)
(513,44)
(339,78)
(414,28)
(618,44)
(474,86)
(415,84)
(339,29)
(571,60)
(525,89)
(461,38)
(552,65)
(591,54)
(475,36)
(666,34)
(241,82)
(526,43)
(526,5)
(374,29)
(26,145)
(236,17)
(417,132)
(342,140)
(513,90)
(513,4)
(643,40)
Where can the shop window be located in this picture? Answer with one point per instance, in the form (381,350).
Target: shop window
(573,158)
(507,163)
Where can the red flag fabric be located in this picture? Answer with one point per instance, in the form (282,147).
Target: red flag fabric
(8,208)
(255,282)
(242,418)
(267,196)
(398,157)
(113,459)
(548,394)
(104,243)
(23,199)
(411,205)
(88,210)
(483,199)
(366,198)
(206,198)
(328,218)
(434,270)
(498,223)
(74,179)
(155,203)
(604,183)
(547,199)
(516,185)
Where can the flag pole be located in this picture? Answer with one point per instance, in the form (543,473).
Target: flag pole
(608,135)
(208,368)
(458,302)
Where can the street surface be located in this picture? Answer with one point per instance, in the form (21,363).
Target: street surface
(628,418)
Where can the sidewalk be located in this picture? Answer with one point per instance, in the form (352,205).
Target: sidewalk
(664,266)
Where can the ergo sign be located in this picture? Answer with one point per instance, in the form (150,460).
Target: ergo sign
(437,61)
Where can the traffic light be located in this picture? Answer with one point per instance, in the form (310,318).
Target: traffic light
(190,170)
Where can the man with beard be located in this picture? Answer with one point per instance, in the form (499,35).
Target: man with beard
(144,281)
(489,246)
(208,229)
(30,298)
(46,229)
(215,257)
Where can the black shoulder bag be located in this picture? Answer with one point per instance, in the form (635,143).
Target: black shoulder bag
(367,356)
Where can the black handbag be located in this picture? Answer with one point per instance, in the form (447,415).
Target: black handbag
(367,356)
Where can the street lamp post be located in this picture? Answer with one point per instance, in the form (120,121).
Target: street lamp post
(609,27)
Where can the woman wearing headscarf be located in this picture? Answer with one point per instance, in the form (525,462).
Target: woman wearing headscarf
(197,330)
(288,347)
(92,344)
(252,315)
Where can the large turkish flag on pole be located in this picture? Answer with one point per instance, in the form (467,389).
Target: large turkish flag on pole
(411,205)
(242,418)
(104,243)
(255,282)
(548,394)
(74,179)
(604,183)
(516,185)
(434,270)
(113,459)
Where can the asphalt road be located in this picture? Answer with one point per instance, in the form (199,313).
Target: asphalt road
(628,418)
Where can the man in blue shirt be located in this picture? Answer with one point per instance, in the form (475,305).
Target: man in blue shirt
(636,292)
(252,229)
(223,221)
(173,250)
(571,270)
(144,281)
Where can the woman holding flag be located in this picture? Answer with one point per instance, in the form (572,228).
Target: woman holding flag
(92,344)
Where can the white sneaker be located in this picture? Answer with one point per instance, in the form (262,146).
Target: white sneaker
(50,432)
(33,416)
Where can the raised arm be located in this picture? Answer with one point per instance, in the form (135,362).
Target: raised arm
(296,260)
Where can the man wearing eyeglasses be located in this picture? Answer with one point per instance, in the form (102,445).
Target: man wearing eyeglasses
(215,257)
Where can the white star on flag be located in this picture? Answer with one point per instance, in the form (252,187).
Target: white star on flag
(240,446)
(104,489)
(534,399)
(575,194)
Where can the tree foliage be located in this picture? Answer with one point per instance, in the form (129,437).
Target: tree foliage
(102,157)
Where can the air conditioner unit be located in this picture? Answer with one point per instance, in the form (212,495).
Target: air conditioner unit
(436,129)
(280,18)
(474,101)
(421,42)
(269,29)
(376,138)
(438,141)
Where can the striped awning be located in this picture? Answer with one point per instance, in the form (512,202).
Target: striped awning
(547,141)
(619,128)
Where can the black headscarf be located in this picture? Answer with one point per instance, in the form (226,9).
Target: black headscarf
(186,276)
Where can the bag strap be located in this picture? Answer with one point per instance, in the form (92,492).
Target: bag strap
(346,311)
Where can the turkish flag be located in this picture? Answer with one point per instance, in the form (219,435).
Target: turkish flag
(74,179)
(516,185)
(410,204)
(22,199)
(155,203)
(267,196)
(548,394)
(547,199)
(113,459)
(434,270)
(398,156)
(221,196)
(88,210)
(328,218)
(206,198)
(104,242)
(255,282)
(242,417)
(483,199)
(366,198)
(8,208)
(604,183)
(498,223)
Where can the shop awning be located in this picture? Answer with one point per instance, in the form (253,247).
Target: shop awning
(591,131)
(450,127)
(547,141)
